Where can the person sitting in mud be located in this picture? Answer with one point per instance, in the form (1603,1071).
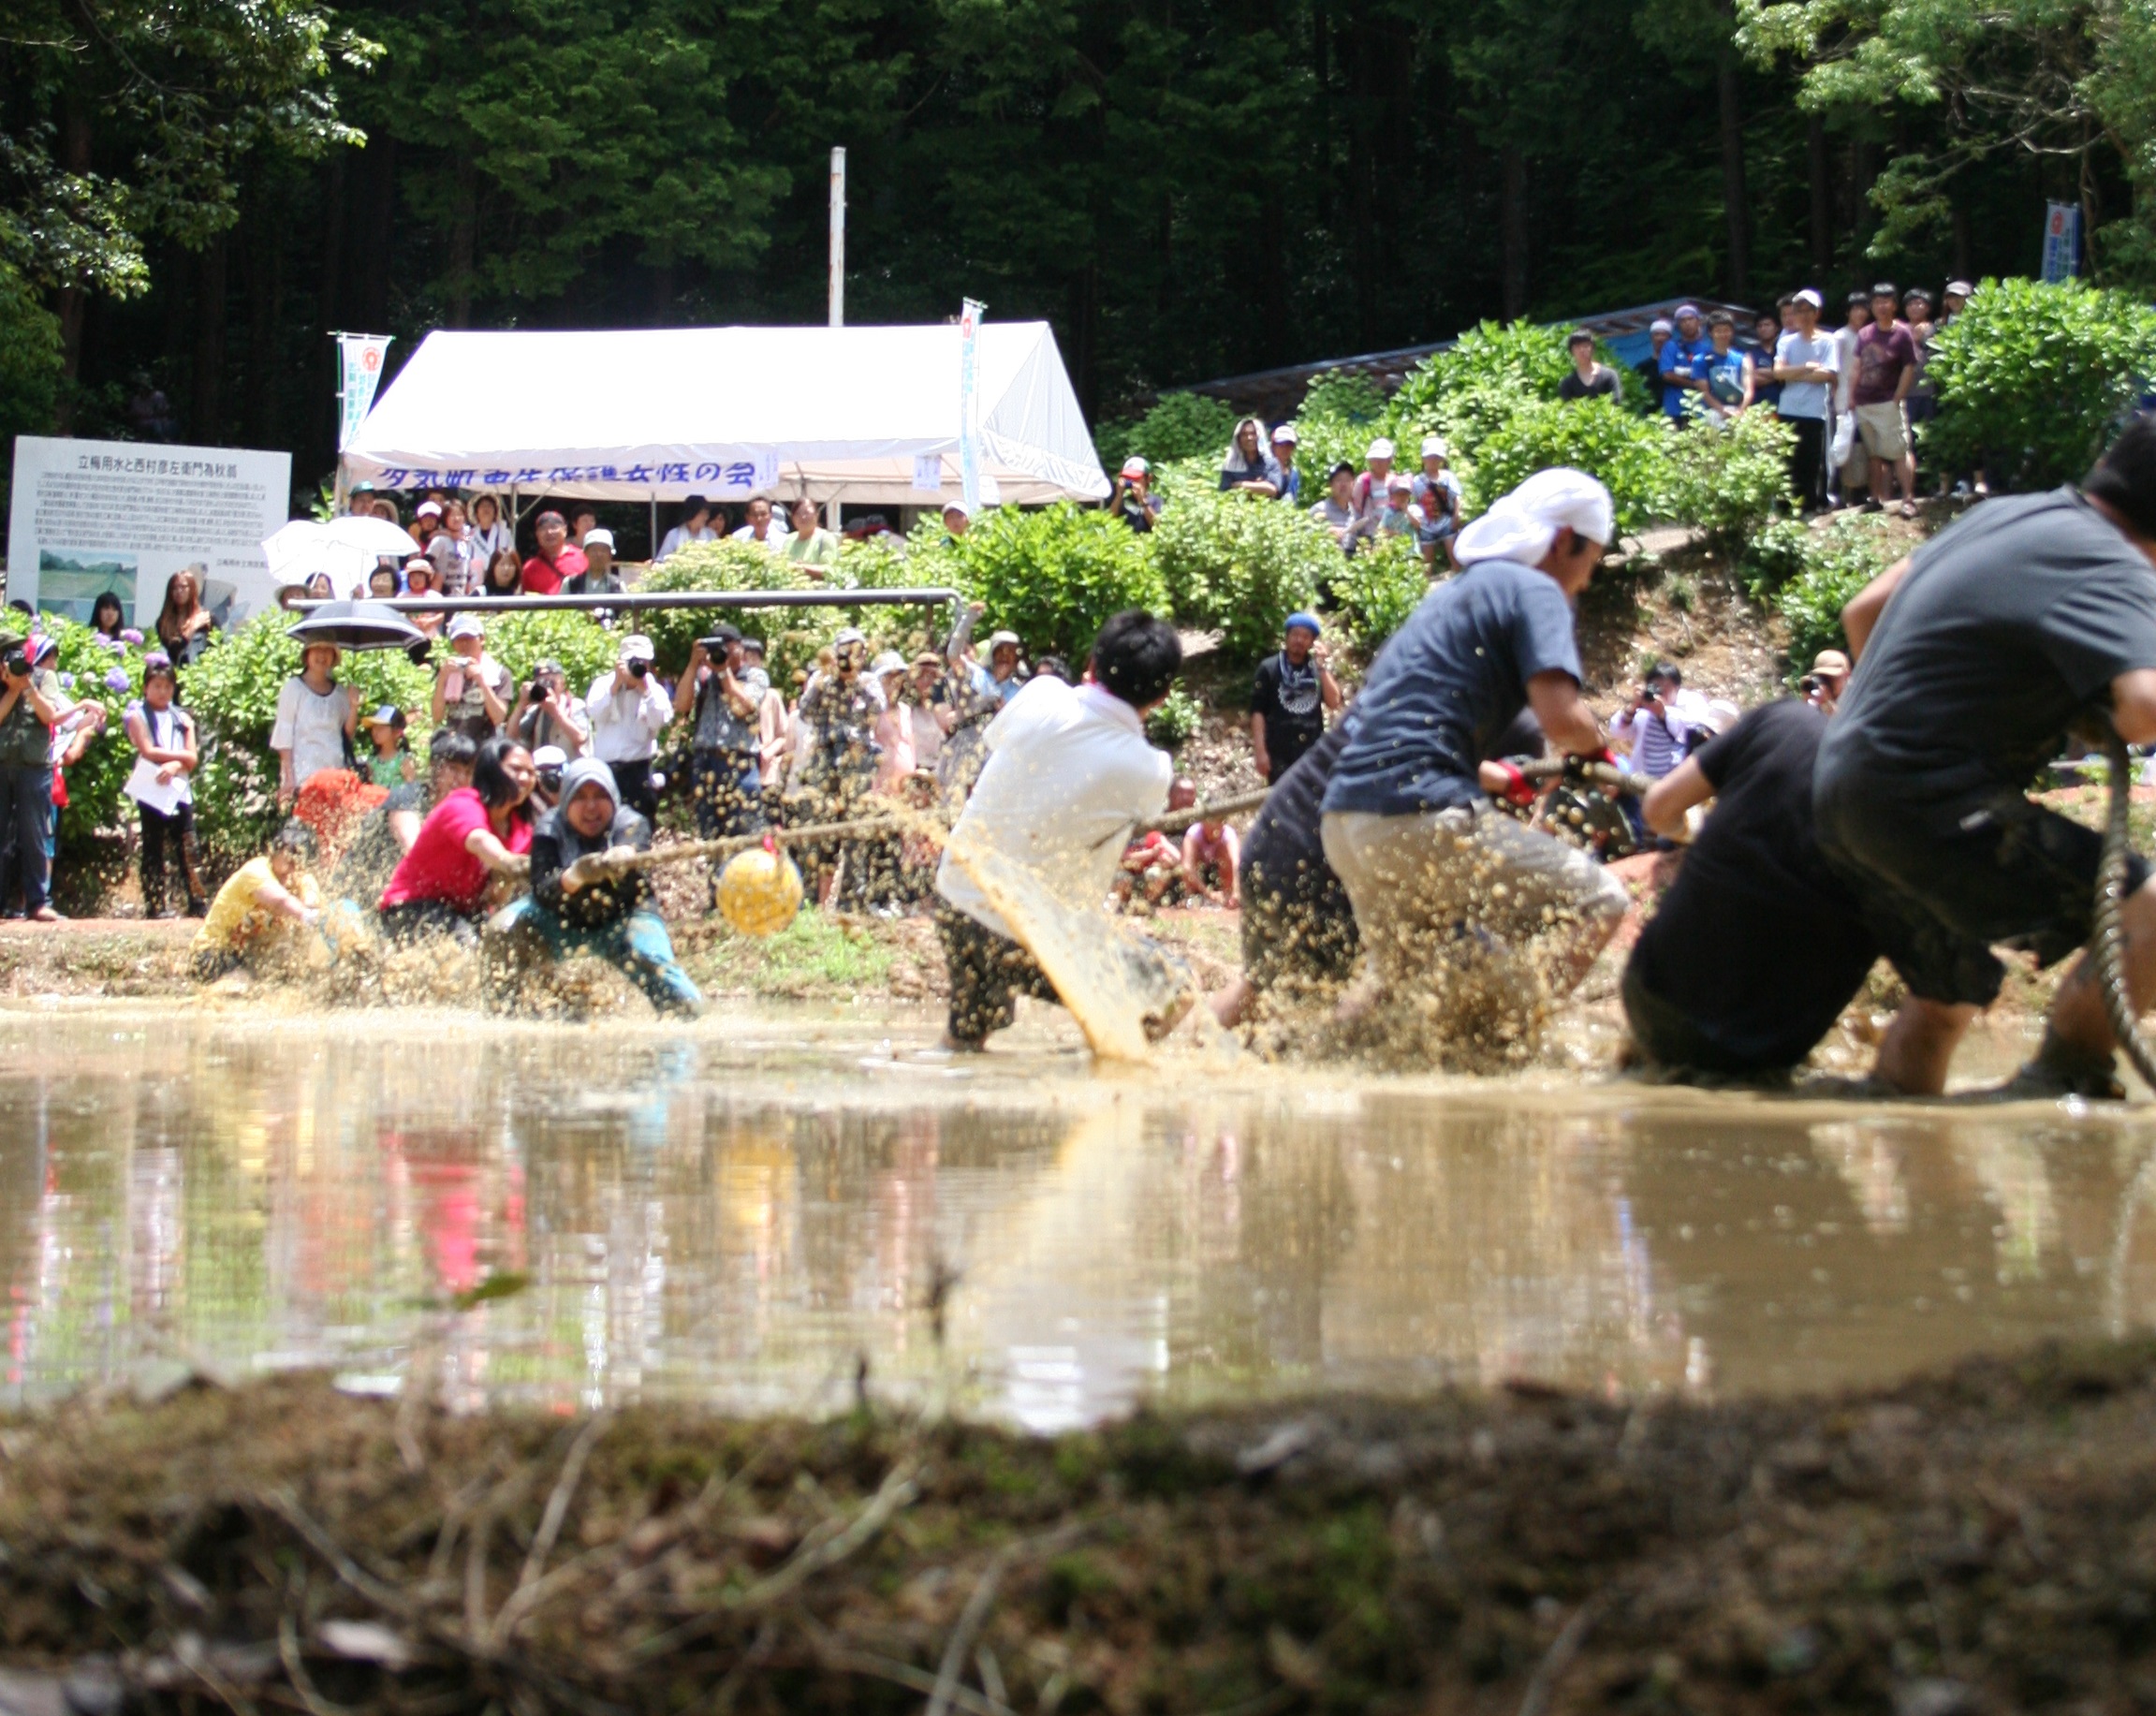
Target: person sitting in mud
(1212,852)
(1758,944)
(585,898)
(1974,655)
(1069,770)
(386,833)
(1150,877)
(262,916)
(472,836)
(1450,894)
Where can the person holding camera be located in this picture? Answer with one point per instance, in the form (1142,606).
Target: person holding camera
(30,704)
(628,710)
(586,898)
(724,696)
(839,711)
(470,687)
(548,715)
(1651,729)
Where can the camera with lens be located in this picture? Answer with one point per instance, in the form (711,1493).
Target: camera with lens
(1811,684)
(17,659)
(637,669)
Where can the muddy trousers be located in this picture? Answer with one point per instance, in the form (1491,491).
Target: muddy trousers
(170,839)
(1466,903)
(524,934)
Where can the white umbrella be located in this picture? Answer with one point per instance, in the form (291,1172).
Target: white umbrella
(344,567)
(371,538)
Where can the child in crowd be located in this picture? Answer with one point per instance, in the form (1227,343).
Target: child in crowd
(1150,874)
(256,920)
(163,735)
(391,764)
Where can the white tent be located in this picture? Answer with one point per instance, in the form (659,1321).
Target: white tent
(853,414)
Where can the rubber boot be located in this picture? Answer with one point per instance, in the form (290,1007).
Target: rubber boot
(154,896)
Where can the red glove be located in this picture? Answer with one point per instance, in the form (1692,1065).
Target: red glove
(1519,789)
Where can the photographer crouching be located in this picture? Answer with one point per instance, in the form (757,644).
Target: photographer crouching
(30,703)
(585,898)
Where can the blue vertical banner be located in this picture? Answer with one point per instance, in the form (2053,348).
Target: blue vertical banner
(2062,241)
(358,373)
(970,403)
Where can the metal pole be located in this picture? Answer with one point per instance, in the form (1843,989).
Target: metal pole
(838,238)
(643,601)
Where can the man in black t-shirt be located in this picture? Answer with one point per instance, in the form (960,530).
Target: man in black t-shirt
(1758,944)
(1294,689)
(1974,658)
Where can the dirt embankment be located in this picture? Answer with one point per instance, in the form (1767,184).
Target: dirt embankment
(1981,1542)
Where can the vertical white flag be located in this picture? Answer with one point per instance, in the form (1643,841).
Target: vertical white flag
(360,357)
(970,403)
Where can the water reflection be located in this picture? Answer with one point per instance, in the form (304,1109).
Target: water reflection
(751,1221)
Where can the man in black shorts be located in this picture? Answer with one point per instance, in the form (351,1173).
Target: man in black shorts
(1758,944)
(1974,658)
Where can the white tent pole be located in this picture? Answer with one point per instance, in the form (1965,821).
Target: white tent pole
(838,286)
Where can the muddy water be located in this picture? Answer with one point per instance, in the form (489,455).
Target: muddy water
(748,1213)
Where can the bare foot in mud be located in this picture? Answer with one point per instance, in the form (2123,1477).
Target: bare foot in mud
(959,1046)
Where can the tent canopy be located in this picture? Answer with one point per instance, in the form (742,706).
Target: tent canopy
(853,414)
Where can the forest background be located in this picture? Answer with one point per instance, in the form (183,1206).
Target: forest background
(193,191)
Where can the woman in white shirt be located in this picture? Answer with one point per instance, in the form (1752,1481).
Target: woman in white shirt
(489,535)
(695,526)
(316,720)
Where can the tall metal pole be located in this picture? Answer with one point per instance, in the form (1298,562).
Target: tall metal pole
(838,238)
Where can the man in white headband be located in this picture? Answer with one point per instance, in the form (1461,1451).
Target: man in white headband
(1442,879)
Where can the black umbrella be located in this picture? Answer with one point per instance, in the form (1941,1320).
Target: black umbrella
(357,626)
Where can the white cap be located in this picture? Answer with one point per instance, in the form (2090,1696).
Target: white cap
(606,536)
(1284,432)
(958,504)
(1135,466)
(636,647)
(1379,448)
(465,625)
(549,757)
(890,661)
(997,641)
(1521,526)
(428,507)
(1808,297)
(1433,446)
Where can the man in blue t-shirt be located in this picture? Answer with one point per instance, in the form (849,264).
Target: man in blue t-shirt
(1681,357)
(1452,895)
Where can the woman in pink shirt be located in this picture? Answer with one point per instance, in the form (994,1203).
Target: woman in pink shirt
(440,885)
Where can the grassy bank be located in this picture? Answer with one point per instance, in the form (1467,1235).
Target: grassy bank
(1983,1540)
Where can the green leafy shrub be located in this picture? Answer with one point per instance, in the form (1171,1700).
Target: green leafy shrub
(1728,482)
(583,647)
(1379,588)
(1630,455)
(791,636)
(1774,554)
(1841,558)
(1053,575)
(91,833)
(1338,418)
(1468,390)
(2033,380)
(232,694)
(1171,725)
(1240,563)
(1180,426)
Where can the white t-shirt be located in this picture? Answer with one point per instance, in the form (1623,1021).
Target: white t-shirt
(1068,773)
(1844,365)
(1806,399)
(311,726)
(626,724)
(775,538)
(681,537)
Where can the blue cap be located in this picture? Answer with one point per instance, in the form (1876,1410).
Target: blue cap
(1308,621)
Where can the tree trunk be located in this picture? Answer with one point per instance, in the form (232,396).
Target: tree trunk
(265,287)
(377,230)
(1959,210)
(1512,224)
(1864,168)
(463,224)
(74,302)
(1822,197)
(208,424)
(1729,97)
(1362,173)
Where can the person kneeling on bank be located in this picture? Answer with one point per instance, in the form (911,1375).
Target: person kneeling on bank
(261,918)
(586,898)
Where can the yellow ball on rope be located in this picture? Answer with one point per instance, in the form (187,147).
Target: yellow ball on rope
(759,891)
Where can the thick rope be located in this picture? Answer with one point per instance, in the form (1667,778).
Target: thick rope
(2110,909)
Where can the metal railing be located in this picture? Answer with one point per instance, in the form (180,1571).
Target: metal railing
(643,601)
